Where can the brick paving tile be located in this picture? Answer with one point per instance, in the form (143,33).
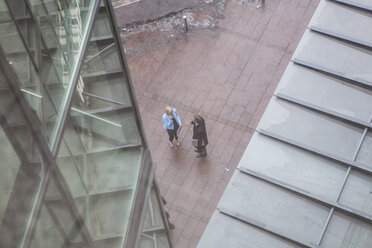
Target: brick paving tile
(228,74)
(189,229)
(194,242)
(182,242)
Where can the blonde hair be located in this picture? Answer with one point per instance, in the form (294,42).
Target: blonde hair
(169,111)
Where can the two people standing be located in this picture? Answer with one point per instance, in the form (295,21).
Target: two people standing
(172,123)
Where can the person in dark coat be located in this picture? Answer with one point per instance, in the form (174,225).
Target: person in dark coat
(200,138)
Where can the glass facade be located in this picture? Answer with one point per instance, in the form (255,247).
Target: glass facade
(76,170)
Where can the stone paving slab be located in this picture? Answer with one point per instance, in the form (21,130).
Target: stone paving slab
(228,75)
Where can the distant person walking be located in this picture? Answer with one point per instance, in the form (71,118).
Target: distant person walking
(172,124)
(200,139)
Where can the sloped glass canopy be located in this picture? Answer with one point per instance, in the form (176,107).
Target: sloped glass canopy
(76,170)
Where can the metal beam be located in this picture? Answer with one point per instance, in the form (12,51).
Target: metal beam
(321,236)
(354,4)
(101,110)
(101,74)
(353,40)
(264,227)
(342,161)
(91,193)
(330,71)
(102,98)
(323,110)
(350,211)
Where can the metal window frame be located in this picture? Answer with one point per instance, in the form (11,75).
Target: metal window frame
(330,71)
(263,227)
(323,31)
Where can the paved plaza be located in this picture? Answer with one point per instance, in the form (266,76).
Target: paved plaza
(227,74)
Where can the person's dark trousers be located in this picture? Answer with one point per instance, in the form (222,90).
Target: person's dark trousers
(201,151)
(172,133)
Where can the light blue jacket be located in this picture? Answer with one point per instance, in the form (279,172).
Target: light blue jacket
(168,123)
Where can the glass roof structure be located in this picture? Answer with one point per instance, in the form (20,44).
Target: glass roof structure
(305,179)
(75,167)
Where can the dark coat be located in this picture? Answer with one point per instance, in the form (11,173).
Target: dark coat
(200,133)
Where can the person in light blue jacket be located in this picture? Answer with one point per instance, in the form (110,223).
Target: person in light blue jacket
(172,123)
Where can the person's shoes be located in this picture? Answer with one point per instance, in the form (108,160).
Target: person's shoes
(199,155)
(177,143)
(171,144)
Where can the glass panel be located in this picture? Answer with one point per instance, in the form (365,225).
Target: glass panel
(21,168)
(154,233)
(17,56)
(345,231)
(62,25)
(294,166)
(311,128)
(63,29)
(365,155)
(325,92)
(274,208)
(47,233)
(104,100)
(358,192)
(344,21)
(153,215)
(335,56)
(101,152)
(101,179)
(56,226)
(225,231)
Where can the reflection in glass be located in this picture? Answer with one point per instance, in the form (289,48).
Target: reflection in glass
(101,152)
(56,227)
(102,180)
(100,147)
(21,58)
(154,232)
(45,78)
(21,168)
